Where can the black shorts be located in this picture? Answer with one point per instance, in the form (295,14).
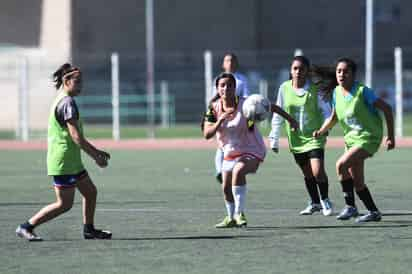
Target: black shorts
(303,158)
(70,180)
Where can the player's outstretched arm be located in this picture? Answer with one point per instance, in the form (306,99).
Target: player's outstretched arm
(327,125)
(387,112)
(276,109)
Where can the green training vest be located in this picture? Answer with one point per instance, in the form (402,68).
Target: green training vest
(361,127)
(63,155)
(306,112)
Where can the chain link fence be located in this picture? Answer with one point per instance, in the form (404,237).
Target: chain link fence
(183,74)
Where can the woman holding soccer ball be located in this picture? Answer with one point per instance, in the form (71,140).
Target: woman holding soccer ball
(241,142)
(301,99)
(230,64)
(356,107)
(64,163)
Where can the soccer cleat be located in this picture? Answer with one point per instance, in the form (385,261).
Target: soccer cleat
(97,234)
(371,216)
(226,223)
(327,207)
(310,209)
(241,220)
(27,234)
(347,212)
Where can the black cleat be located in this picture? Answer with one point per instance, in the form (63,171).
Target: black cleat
(97,234)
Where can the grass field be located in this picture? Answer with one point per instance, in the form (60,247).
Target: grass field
(162,205)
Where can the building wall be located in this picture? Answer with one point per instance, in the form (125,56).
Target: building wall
(112,26)
(193,25)
(20,22)
(189,25)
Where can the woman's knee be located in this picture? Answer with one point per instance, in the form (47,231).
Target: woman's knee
(341,167)
(64,206)
(93,191)
(320,177)
(359,185)
(241,169)
(89,190)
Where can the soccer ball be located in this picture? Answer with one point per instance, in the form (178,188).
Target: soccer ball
(256,108)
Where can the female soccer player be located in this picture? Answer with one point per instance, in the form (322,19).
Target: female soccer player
(355,107)
(242,145)
(64,163)
(230,64)
(301,99)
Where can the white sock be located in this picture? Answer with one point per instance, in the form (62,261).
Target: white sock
(230,208)
(239,194)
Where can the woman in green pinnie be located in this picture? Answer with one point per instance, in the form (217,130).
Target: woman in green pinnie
(355,107)
(303,100)
(64,163)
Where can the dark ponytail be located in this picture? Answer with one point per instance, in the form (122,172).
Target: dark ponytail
(324,77)
(64,70)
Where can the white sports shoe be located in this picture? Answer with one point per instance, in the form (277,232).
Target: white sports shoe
(310,209)
(26,234)
(371,216)
(327,207)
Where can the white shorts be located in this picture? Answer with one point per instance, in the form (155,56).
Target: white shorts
(229,164)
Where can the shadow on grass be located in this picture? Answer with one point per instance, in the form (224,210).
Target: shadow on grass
(200,237)
(397,214)
(99,203)
(401,222)
(359,226)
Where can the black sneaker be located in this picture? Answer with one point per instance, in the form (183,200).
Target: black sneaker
(97,234)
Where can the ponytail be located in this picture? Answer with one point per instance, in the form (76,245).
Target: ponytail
(325,76)
(325,79)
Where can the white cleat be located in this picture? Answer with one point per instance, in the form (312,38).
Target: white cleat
(27,234)
(371,216)
(310,209)
(327,207)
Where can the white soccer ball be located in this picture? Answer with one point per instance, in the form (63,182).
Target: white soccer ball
(256,108)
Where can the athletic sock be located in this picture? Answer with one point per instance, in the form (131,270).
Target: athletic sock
(239,194)
(367,199)
(88,228)
(312,190)
(323,189)
(230,209)
(27,225)
(348,193)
